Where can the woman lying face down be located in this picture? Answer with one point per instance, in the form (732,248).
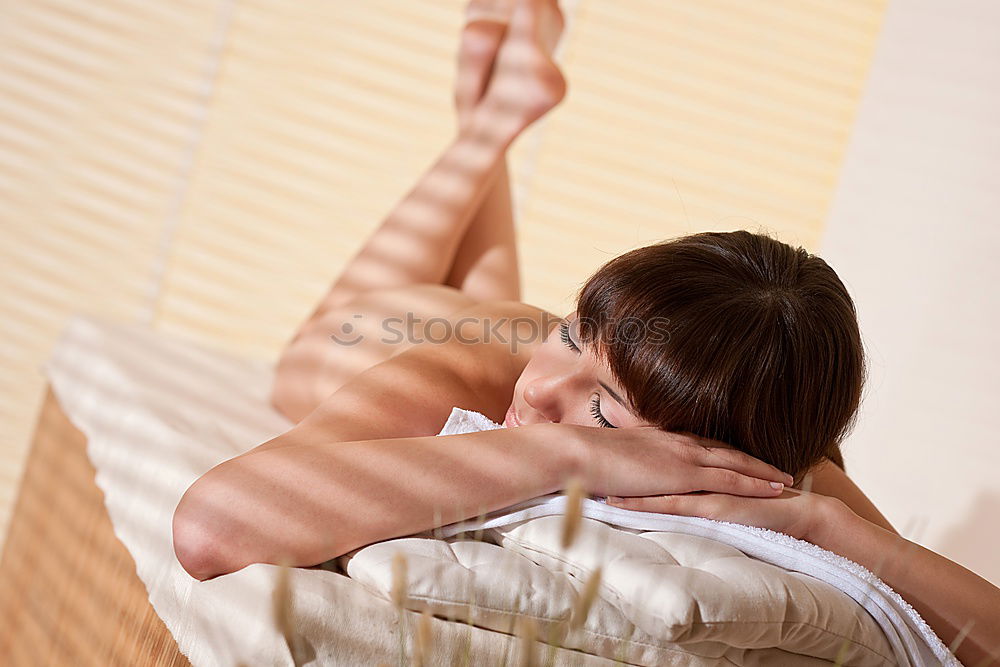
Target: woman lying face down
(721,362)
(721,359)
(636,393)
(735,337)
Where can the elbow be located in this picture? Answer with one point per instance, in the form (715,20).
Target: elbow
(196,537)
(241,513)
(191,549)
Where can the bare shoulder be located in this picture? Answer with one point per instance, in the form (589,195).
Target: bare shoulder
(491,343)
(505,333)
(530,323)
(471,360)
(508,309)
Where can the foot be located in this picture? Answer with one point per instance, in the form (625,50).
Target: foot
(484,31)
(526,82)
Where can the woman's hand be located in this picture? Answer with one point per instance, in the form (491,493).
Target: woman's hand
(807,516)
(647,461)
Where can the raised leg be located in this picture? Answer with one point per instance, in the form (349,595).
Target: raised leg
(418,243)
(414,246)
(455,226)
(486,265)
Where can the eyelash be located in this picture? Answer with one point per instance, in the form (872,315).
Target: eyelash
(564,334)
(595,410)
(595,403)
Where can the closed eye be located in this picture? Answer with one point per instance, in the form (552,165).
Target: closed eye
(564,334)
(595,410)
(595,403)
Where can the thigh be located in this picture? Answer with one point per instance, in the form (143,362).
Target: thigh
(345,341)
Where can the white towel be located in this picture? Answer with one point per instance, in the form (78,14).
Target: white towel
(912,640)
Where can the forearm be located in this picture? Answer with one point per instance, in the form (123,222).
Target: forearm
(829,480)
(948,596)
(420,236)
(311,503)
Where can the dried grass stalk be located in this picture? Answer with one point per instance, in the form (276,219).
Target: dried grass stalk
(841,652)
(283,612)
(960,637)
(586,599)
(526,632)
(399,583)
(574,511)
(422,640)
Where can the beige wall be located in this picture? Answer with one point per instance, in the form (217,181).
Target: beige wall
(205,167)
(913,231)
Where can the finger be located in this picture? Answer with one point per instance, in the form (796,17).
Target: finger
(724,480)
(734,459)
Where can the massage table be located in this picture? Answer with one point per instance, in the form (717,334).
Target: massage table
(88,574)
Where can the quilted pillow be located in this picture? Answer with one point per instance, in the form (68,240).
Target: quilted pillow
(666,598)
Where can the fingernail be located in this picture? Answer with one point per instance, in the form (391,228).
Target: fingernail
(791,480)
(777,485)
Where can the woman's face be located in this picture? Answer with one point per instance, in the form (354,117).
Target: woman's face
(564,382)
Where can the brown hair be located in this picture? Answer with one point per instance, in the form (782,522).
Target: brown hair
(762,347)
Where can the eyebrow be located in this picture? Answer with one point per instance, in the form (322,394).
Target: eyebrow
(614,395)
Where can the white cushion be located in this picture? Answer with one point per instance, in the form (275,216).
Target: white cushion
(686,596)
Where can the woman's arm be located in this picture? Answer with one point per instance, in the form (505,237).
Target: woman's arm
(950,598)
(829,480)
(311,502)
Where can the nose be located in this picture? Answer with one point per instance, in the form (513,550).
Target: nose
(546,395)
